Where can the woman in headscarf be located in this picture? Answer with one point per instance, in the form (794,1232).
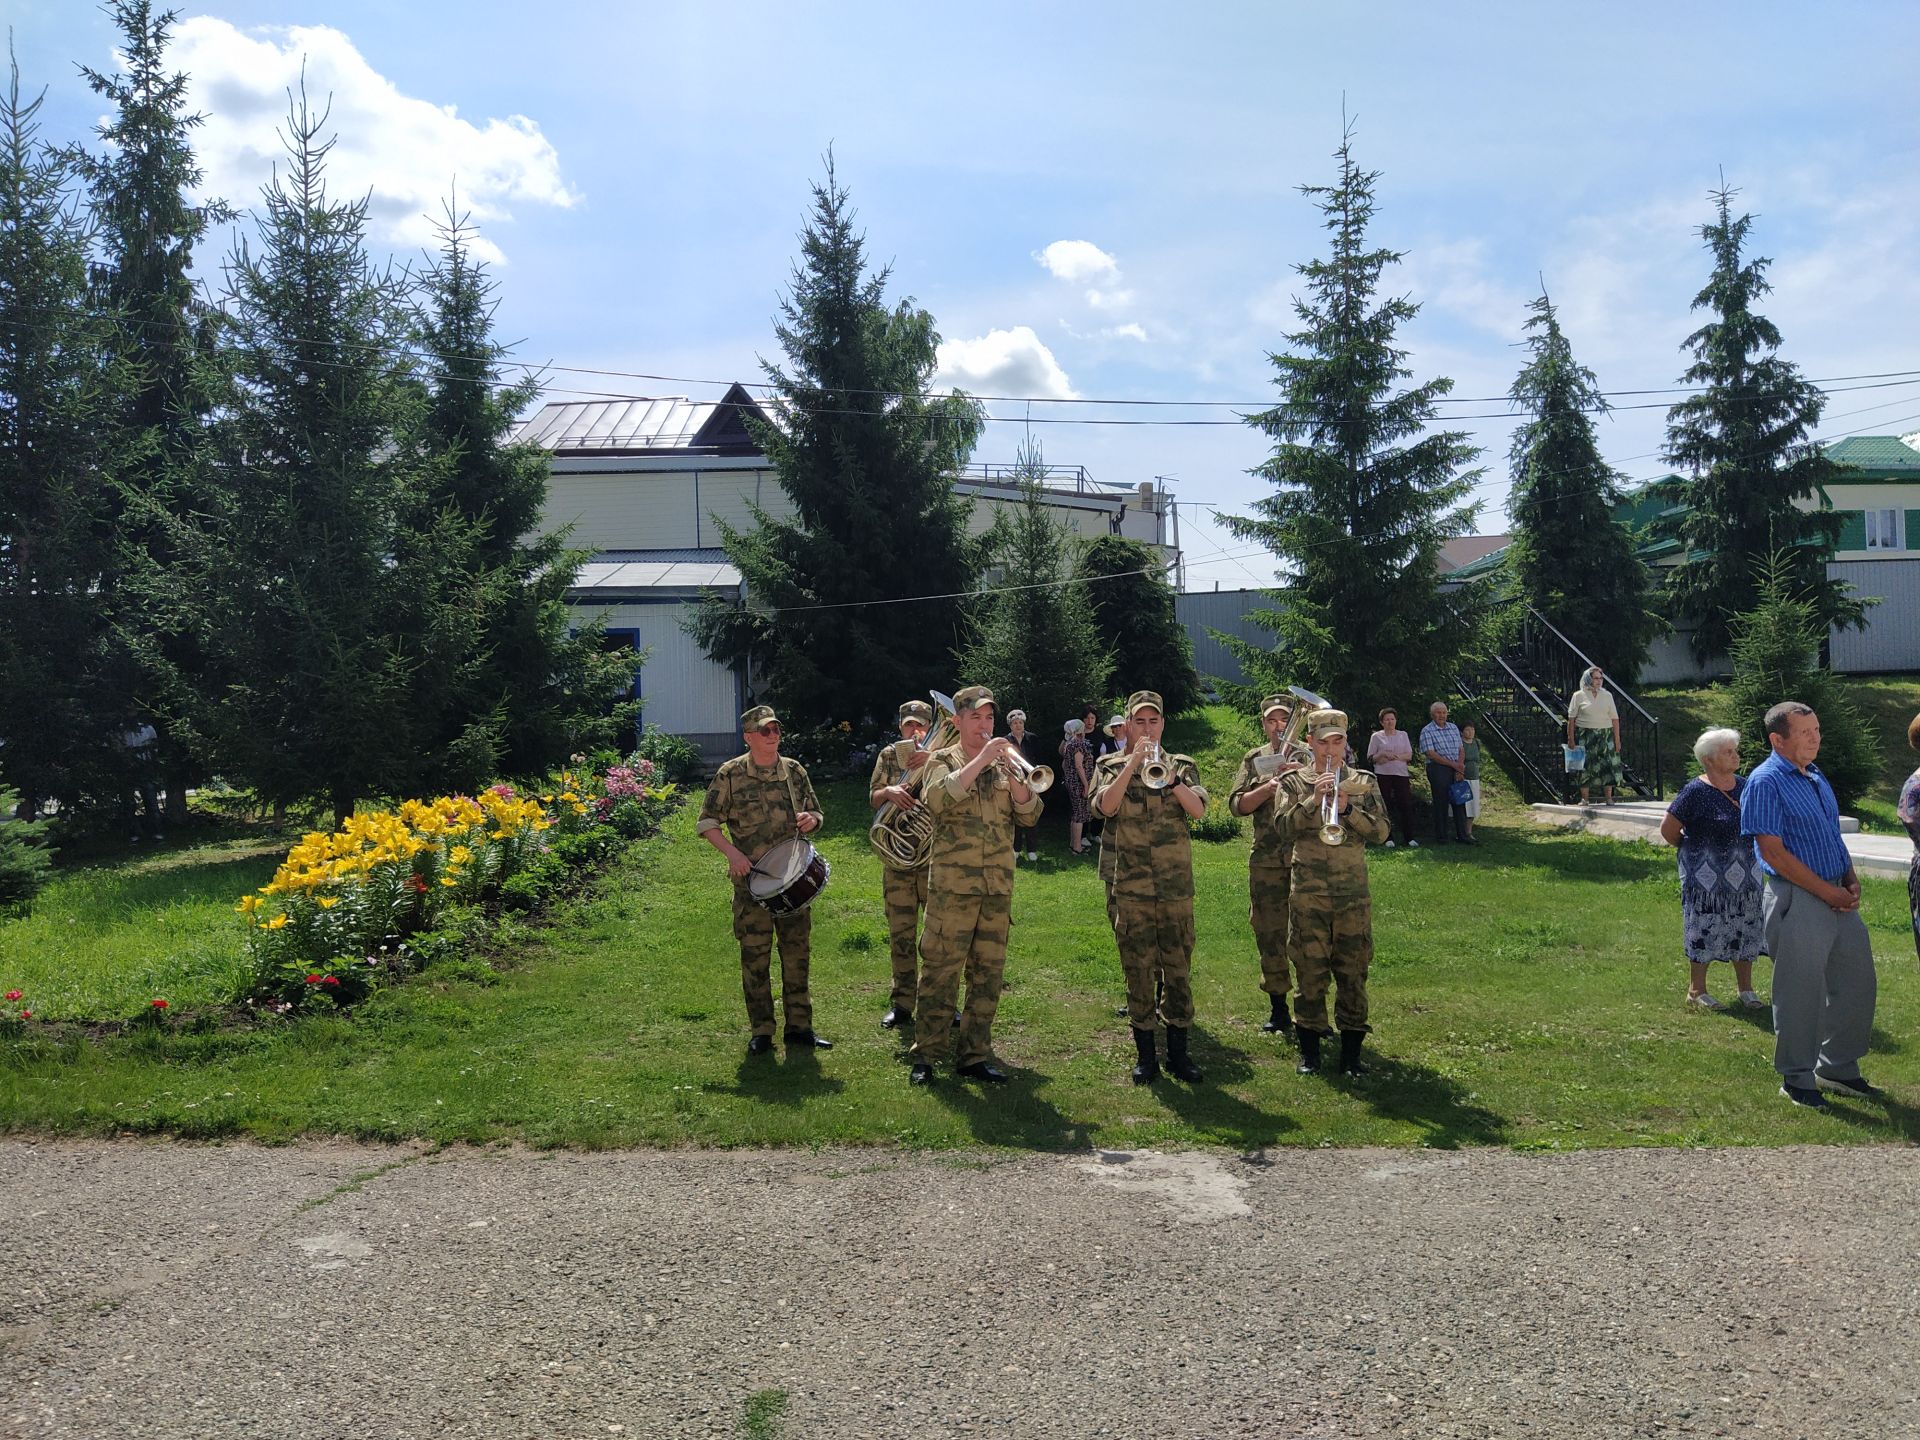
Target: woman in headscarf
(1593,720)
(1076,769)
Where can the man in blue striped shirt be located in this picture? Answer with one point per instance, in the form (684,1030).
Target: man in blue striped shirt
(1823,980)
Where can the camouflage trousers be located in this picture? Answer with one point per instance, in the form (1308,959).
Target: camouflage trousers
(1271,887)
(906,896)
(755,926)
(1330,939)
(964,934)
(1156,944)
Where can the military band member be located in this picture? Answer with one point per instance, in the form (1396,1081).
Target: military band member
(975,805)
(1270,864)
(905,891)
(1152,885)
(762,798)
(1330,919)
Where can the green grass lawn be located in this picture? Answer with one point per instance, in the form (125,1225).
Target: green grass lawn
(1525,993)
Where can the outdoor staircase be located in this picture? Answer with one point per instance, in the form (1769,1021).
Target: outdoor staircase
(1519,697)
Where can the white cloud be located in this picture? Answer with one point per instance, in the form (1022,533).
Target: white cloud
(1132,330)
(1110,299)
(408,153)
(1078,262)
(1003,362)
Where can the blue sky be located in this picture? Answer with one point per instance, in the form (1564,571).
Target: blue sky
(1102,200)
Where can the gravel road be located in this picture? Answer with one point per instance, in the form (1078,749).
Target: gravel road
(338,1290)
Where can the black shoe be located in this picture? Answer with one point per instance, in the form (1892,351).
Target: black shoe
(1178,1064)
(1856,1087)
(1350,1053)
(1807,1099)
(1146,1069)
(1309,1052)
(899,1016)
(760,1045)
(921,1074)
(984,1070)
(1122,1011)
(1279,1022)
(807,1040)
(1466,839)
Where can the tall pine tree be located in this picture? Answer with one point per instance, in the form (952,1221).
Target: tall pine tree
(61,711)
(868,458)
(1133,613)
(537,690)
(1570,559)
(148,225)
(1745,453)
(306,580)
(1366,493)
(1036,646)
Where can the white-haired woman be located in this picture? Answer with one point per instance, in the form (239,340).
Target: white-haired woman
(1593,720)
(1719,879)
(1076,768)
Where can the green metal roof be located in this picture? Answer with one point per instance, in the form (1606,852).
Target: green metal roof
(1875,452)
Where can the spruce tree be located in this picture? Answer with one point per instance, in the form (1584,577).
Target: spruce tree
(304,576)
(1366,492)
(1035,645)
(1134,615)
(147,228)
(518,692)
(1570,559)
(61,711)
(868,458)
(1745,453)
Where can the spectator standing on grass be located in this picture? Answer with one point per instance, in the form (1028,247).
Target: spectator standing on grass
(1389,752)
(1440,745)
(1470,772)
(1823,979)
(1076,769)
(1593,720)
(1910,817)
(1028,744)
(1719,882)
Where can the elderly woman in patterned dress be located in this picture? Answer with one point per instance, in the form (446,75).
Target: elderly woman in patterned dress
(1719,878)
(1076,767)
(1910,817)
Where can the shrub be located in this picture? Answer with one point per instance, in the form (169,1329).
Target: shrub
(675,760)
(1217,824)
(24,857)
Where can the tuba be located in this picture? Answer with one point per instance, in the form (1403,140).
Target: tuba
(904,838)
(1291,750)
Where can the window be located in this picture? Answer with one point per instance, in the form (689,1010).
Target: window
(1883,530)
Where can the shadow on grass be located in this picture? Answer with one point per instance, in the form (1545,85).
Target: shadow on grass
(1214,1111)
(1425,1100)
(1013,1114)
(1880,1116)
(201,882)
(1612,861)
(791,1080)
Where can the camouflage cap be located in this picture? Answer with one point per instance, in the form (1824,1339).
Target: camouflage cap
(1327,722)
(972,698)
(1144,700)
(916,710)
(1276,702)
(756,716)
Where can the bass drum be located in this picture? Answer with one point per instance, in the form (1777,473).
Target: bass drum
(788,876)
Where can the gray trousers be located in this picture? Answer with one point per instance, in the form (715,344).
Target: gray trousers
(1823,984)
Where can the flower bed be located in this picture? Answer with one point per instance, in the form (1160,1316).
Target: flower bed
(393,890)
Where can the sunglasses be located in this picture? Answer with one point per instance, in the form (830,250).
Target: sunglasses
(768,730)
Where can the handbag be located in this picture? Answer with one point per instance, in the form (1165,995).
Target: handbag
(1576,757)
(1460,792)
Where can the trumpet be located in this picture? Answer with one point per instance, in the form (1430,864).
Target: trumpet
(1332,832)
(1037,778)
(1155,772)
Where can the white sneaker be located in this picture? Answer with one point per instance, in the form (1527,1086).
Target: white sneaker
(1389,845)
(1413,844)
(1752,1001)
(1031,855)
(1705,1001)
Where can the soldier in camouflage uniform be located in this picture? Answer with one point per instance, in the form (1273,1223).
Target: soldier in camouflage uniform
(905,891)
(974,804)
(1152,885)
(762,798)
(1330,923)
(1270,863)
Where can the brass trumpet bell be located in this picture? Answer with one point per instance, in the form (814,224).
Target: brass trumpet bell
(1037,778)
(1155,772)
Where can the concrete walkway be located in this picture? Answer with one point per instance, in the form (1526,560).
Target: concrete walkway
(1884,855)
(160,1291)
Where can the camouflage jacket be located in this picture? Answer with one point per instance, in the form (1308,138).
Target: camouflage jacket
(1271,845)
(756,805)
(1335,872)
(973,827)
(890,765)
(1152,850)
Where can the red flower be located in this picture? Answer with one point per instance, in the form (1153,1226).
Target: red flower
(331,980)
(26,1014)
(13,994)
(313,979)
(416,884)
(159,1004)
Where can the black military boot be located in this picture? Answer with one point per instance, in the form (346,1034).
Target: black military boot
(1350,1052)
(1178,1064)
(1146,1069)
(1279,1022)
(1309,1052)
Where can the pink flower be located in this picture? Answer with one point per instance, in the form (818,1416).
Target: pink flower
(504,791)
(13,994)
